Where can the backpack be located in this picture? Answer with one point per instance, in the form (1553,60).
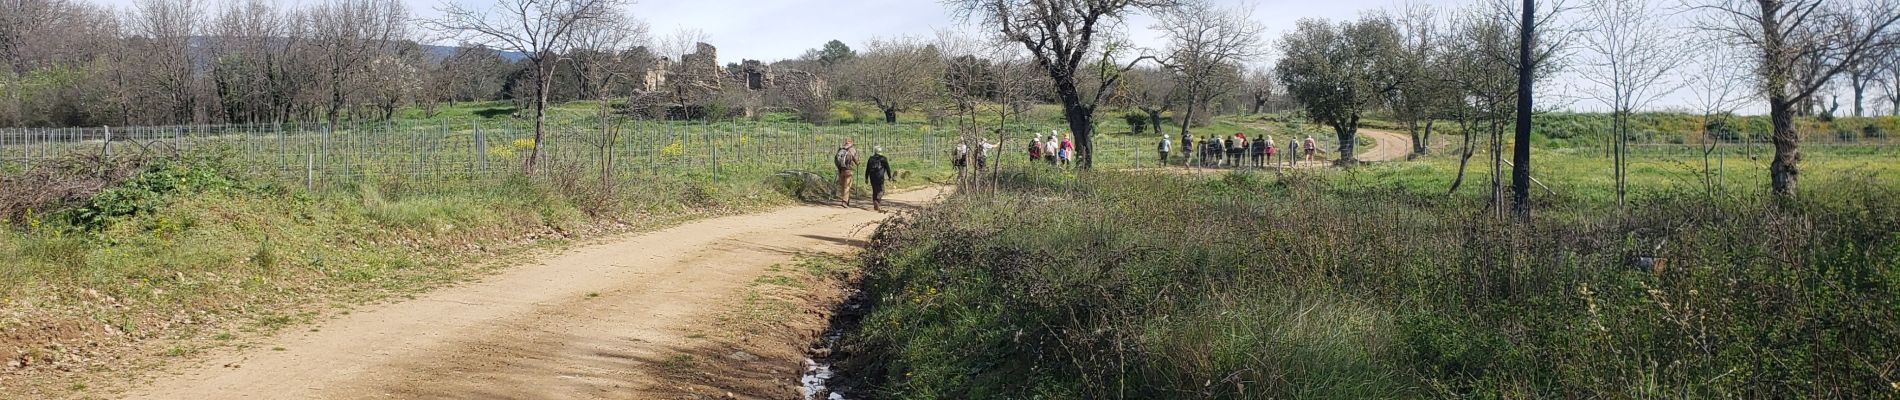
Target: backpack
(843,159)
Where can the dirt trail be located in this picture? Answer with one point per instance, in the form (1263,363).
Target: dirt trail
(1390,146)
(580,324)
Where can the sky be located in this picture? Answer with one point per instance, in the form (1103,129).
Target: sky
(771,30)
(780,29)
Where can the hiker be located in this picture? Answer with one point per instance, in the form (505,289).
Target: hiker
(1236,150)
(1220,151)
(1068,150)
(847,162)
(876,171)
(1271,150)
(960,157)
(1210,152)
(1052,149)
(1164,149)
(983,148)
(1259,148)
(1187,150)
(1311,148)
(1035,149)
(1293,153)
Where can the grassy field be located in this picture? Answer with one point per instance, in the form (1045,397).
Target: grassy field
(1375,283)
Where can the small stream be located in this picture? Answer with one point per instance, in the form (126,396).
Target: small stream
(820,380)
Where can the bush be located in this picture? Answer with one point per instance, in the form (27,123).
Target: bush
(1150,286)
(1137,121)
(1873,132)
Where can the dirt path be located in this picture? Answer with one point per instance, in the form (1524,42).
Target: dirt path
(580,324)
(1390,146)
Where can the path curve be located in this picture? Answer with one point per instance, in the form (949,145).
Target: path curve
(576,325)
(1388,145)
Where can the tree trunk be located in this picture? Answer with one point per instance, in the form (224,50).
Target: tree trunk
(1783,171)
(1859,91)
(1081,119)
(540,113)
(1187,116)
(1463,159)
(1348,133)
(890,115)
(1521,154)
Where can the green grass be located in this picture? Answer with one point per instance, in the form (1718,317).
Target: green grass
(1374,283)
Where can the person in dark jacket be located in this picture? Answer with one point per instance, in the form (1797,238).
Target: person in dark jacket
(877,170)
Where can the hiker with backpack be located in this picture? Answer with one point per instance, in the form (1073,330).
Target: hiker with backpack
(877,170)
(847,162)
(1068,150)
(1051,149)
(1164,149)
(1259,148)
(1312,148)
(1035,149)
(1187,150)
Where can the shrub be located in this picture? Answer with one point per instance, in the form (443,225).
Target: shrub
(1150,286)
(1137,121)
(1872,131)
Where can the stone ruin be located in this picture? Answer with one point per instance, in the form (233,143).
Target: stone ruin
(697,86)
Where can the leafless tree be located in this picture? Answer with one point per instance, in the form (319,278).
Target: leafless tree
(1259,88)
(164,55)
(1205,41)
(350,35)
(895,74)
(538,29)
(1798,45)
(1633,52)
(1716,93)
(606,56)
(1062,37)
(1416,95)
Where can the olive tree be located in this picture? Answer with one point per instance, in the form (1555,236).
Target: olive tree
(1334,72)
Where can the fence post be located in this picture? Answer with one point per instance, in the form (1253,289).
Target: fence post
(310,172)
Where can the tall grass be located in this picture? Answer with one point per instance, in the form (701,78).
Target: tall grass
(1118,285)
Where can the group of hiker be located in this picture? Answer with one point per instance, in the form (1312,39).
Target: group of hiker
(1057,150)
(1235,151)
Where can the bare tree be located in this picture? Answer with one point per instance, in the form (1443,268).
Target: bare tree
(1259,89)
(1715,94)
(165,56)
(606,55)
(1634,53)
(1061,36)
(1416,95)
(1205,41)
(895,74)
(538,29)
(1799,45)
(350,35)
